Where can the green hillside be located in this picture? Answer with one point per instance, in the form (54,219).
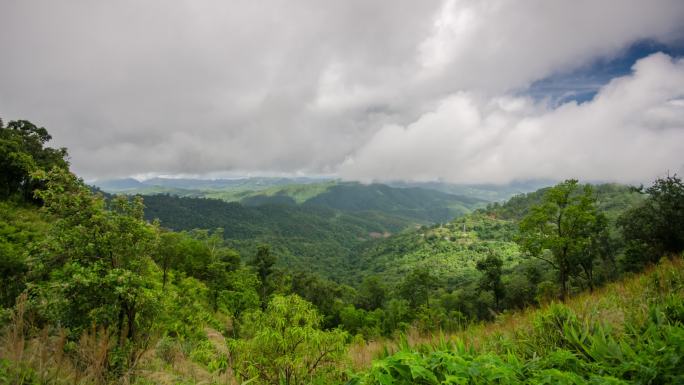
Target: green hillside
(451,250)
(630,332)
(308,238)
(419,203)
(313,227)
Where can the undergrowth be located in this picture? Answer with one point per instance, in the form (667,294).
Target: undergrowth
(631,332)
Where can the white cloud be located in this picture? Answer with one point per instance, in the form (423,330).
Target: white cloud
(190,87)
(632,131)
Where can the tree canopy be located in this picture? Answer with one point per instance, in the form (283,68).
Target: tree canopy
(563,229)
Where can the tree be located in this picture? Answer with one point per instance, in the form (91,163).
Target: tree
(284,344)
(170,252)
(326,295)
(98,260)
(372,293)
(656,227)
(417,286)
(220,261)
(22,152)
(491,277)
(263,263)
(565,225)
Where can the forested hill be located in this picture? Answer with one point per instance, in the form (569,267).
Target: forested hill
(305,237)
(418,203)
(422,205)
(611,198)
(319,234)
(452,250)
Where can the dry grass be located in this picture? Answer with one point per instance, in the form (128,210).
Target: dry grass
(605,305)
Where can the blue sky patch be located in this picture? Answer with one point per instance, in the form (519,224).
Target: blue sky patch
(581,85)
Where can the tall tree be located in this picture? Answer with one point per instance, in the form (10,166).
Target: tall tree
(372,293)
(562,229)
(656,227)
(417,286)
(98,260)
(491,277)
(22,152)
(263,263)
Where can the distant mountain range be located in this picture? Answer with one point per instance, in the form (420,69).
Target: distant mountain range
(133,186)
(258,190)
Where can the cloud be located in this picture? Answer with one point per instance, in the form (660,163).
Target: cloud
(631,131)
(198,87)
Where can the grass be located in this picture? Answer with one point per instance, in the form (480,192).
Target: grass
(615,306)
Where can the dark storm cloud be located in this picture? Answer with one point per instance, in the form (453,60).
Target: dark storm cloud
(207,86)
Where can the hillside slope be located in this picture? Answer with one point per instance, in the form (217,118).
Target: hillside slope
(451,250)
(629,332)
(308,238)
(422,204)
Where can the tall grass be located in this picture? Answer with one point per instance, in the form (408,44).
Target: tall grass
(629,332)
(46,356)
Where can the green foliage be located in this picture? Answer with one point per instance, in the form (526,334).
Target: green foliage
(20,225)
(97,260)
(560,349)
(284,345)
(23,152)
(655,227)
(422,205)
(491,277)
(263,264)
(305,238)
(569,226)
(121,284)
(417,287)
(372,293)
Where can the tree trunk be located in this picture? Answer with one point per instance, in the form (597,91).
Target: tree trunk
(131,322)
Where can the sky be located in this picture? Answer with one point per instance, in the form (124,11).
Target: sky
(461,91)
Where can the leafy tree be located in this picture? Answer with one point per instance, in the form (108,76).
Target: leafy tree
(397,315)
(220,262)
(656,227)
(170,252)
(264,262)
(491,277)
(326,295)
(372,293)
(242,291)
(22,152)
(566,224)
(284,344)
(98,260)
(417,286)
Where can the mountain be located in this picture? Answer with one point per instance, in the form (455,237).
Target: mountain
(451,250)
(490,192)
(119,185)
(313,227)
(304,237)
(195,186)
(299,188)
(419,204)
(252,183)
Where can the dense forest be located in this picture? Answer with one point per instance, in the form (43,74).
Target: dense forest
(572,284)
